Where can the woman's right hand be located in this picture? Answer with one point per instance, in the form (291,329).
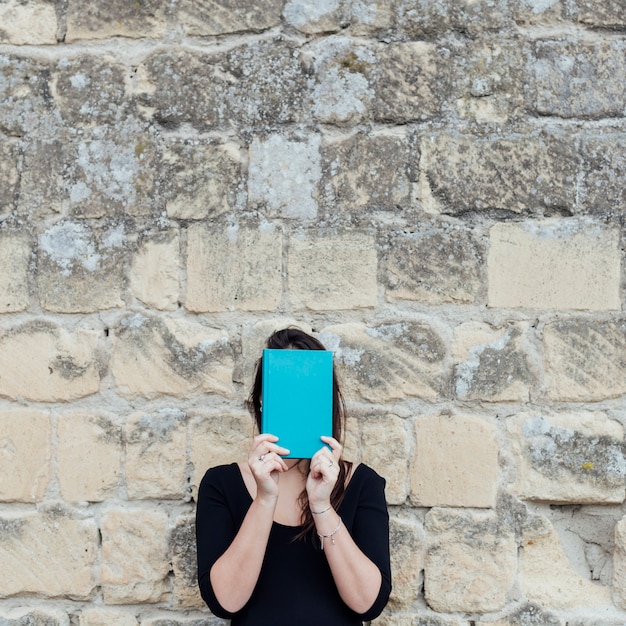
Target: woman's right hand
(266,463)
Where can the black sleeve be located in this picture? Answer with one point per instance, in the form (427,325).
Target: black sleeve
(370,532)
(215,531)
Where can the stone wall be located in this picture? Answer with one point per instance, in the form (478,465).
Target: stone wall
(437,187)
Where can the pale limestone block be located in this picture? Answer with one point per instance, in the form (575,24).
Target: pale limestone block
(455,462)
(573,457)
(42,362)
(182,546)
(25,453)
(323,16)
(218,439)
(407,544)
(89,477)
(135,562)
(154,275)
(156,454)
(423,618)
(547,577)
(385,447)
(28,23)
(619,565)
(390,361)
(283,175)
(22,616)
(47,553)
(585,359)
(333,272)
(352,440)
(470,563)
(529,614)
(554,264)
(239,269)
(14,260)
(102,616)
(154,356)
(491,363)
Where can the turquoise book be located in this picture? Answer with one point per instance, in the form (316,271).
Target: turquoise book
(297,399)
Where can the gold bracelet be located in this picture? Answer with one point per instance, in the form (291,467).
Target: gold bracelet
(331,535)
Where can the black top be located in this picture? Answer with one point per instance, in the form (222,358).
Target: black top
(295,584)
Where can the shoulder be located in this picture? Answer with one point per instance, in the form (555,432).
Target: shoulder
(221,475)
(364,475)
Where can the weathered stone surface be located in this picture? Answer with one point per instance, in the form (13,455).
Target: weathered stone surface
(134,556)
(23,616)
(385,445)
(15,252)
(163,618)
(182,545)
(102,616)
(311,18)
(9,174)
(619,565)
(607,14)
(93,477)
(539,13)
(424,618)
(604,167)
(407,545)
(554,265)
(218,17)
(283,175)
(51,553)
(154,274)
(43,362)
(527,615)
(579,78)
(492,363)
(156,454)
(200,180)
(81,268)
(233,268)
(25,455)
(524,173)
(368,172)
(568,457)
(472,479)
(31,22)
(116,18)
(435,263)
(154,356)
(470,563)
(547,577)
(332,272)
(389,361)
(585,359)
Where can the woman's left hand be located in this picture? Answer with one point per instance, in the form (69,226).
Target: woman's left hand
(323,474)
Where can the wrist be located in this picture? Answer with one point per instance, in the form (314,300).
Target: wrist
(320,508)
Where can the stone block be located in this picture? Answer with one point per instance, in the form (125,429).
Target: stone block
(333,272)
(25,455)
(368,172)
(218,439)
(283,175)
(578,79)
(472,479)
(568,458)
(154,273)
(600,14)
(164,618)
(80,269)
(116,18)
(389,361)
(546,575)
(492,364)
(21,616)
(220,17)
(539,13)
(233,268)
(9,174)
(471,562)
(434,263)
(92,477)
(584,359)
(134,556)
(153,356)
(182,544)
(51,553)
(312,18)
(385,447)
(103,616)
(619,565)
(554,265)
(201,180)
(407,546)
(28,23)
(524,173)
(15,253)
(604,164)
(42,362)
(529,613)
(156,454)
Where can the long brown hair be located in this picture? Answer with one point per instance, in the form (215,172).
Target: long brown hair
(296,339)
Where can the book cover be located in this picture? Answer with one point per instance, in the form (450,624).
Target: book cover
(297,398)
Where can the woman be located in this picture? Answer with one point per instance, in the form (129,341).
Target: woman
(290,541)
